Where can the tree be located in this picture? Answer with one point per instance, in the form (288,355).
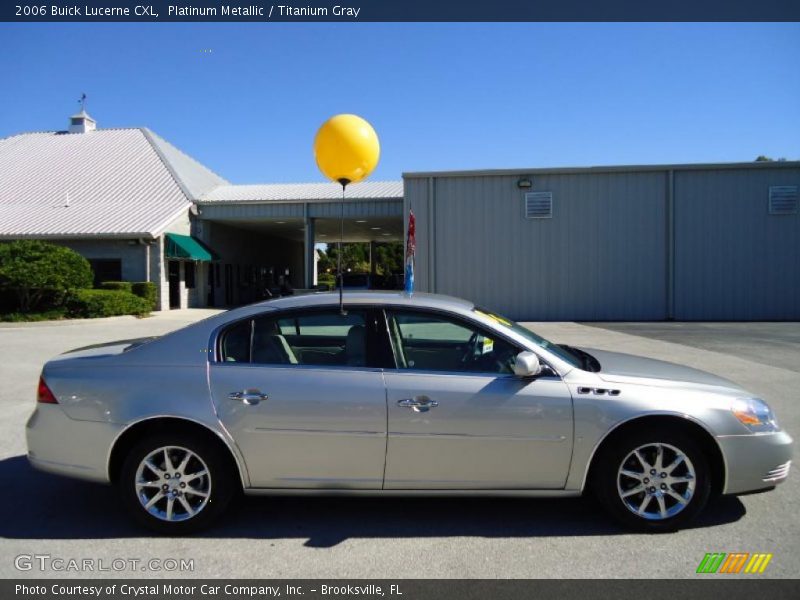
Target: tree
(34,269)
(355,256)
(388,258)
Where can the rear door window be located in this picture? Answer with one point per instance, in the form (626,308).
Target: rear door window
(324,338)
(318,338)
(235,342)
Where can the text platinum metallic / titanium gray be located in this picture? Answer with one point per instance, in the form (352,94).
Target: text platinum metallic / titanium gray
(402,395)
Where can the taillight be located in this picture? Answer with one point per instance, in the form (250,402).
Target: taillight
(43,394)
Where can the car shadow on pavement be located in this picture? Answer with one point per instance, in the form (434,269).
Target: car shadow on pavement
(43,506)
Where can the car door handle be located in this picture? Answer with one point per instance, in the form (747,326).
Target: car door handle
(418,403)
(249,397)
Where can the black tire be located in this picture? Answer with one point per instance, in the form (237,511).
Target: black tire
(606,478)
(221,483)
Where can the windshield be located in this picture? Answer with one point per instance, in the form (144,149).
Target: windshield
(561,352)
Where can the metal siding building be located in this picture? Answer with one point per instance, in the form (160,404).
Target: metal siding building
(637,243)
(692,242)
(733,259)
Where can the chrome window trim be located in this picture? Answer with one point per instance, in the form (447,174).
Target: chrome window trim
(544,356)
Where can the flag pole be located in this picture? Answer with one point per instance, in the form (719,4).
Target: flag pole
(411,250)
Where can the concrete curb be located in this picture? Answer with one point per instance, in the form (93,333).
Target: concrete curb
(196,314)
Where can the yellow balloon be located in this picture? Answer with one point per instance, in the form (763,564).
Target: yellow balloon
(346,148)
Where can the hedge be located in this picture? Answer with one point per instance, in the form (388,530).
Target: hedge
(48,315)
(105,303)
(143,289)
(39,273)
(146,290)
(119,286)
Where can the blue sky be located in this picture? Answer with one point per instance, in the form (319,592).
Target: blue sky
(441,96)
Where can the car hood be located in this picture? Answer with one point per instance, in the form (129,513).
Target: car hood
(622,368)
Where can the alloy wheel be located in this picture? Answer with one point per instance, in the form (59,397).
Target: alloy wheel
(173,483)
(656,481)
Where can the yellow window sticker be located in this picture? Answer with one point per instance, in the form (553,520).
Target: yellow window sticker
(494,318)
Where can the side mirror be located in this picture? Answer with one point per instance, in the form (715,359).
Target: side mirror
(527,364)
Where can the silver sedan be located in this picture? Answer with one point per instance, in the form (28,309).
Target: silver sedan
(393,395)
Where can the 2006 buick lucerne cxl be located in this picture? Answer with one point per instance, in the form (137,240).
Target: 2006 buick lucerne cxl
(395,395)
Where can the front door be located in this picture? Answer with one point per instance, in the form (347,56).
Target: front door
(299,395)
(228,285)
(174,270)
(211,283)
(459,418)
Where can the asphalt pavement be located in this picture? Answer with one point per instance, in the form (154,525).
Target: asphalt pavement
(395,538)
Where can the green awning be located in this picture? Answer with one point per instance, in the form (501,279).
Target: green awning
(187,247)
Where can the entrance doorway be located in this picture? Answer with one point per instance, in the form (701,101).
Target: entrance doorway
(229,285)
(211,284)
(174,270)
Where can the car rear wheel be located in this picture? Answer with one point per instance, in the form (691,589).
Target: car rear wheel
(653,480)
(175,484)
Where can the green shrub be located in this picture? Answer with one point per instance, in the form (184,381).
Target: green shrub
(326,279)
(146,290)
(120,286)
(90,304)
(38,271)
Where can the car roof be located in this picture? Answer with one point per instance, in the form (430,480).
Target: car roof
(374,297)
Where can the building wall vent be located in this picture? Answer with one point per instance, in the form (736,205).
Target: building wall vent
(783,200)
(538,205)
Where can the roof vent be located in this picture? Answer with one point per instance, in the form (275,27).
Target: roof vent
(783,200)
(81,123)
(538,205)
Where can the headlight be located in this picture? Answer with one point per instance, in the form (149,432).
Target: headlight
(754,414)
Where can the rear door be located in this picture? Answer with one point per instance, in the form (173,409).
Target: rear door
(459,418)
(301,396)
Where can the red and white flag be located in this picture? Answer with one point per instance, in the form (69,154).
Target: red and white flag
(411,250)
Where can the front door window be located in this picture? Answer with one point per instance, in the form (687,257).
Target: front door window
(432,342)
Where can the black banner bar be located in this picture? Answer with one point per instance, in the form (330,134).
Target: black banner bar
(349,11)
(731,587)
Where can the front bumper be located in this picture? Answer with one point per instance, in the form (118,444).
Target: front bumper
(58,444)
(755,461)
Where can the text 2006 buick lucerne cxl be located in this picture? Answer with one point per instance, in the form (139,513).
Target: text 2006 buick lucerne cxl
(395,395)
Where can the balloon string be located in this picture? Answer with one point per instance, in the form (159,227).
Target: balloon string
(339,253)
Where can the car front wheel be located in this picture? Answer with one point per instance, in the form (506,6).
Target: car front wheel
(653,480)
(175,484)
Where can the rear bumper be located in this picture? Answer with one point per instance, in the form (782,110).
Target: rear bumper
(58,444)
(755,462)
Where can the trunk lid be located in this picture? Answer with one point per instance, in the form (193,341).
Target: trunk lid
(102,350)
